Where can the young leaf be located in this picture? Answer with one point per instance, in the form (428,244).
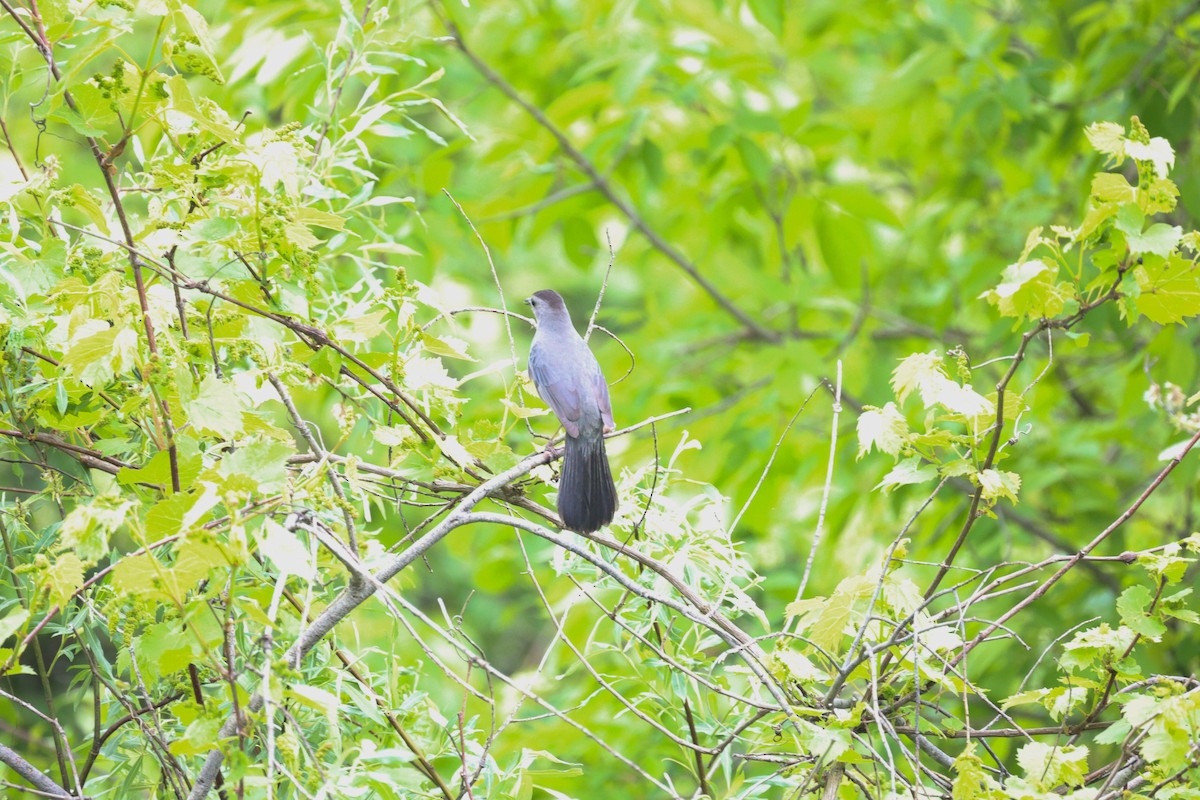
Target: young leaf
(884,428)
(1169,290)
(998,483)
(1132,605)
(216,409)
(908,471)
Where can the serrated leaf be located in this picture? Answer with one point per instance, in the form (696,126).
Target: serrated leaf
(393,435)
(1169,291)
(1024,698)
(916,372)
(1111,187)
(830,625)
(449,346)
(1108,138)
(972,782)
(1159,239)
(98,358)
(179,512)
(64,578)
(998,483)
(91,126)
(1132,605)
(907,472)
(264,462)
(1028,290)
(216,408)
(884,428)
(1047,766)
(1130,219)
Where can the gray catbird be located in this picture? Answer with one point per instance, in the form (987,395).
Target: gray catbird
(568,378)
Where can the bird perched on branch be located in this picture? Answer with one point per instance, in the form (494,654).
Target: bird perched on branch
(568,378)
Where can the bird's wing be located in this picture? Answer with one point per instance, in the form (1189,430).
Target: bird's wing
(600,387)
(557,390)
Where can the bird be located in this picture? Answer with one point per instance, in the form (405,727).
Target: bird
(568,378)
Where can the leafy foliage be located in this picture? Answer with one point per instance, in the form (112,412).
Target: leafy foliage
(274,514)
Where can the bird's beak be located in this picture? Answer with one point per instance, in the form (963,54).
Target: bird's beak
(528,301)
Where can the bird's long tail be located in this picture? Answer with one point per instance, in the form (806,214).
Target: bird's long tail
(587,497)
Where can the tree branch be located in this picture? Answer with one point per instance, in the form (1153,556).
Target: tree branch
(756,329)
(37,779)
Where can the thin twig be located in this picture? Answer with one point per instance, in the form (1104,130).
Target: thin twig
(819,533)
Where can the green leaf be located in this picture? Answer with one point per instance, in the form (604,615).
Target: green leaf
(178,513)
(87,528)
(829,627)
(182,102)
(579,241)
(521,412)
(96,359)
(1111,187)
(199,738)
(264,462)
(972,781)
(91,127)
(169,652)
(192,50)
(12,622)
(64,578)
(1029,291)
(394,435)
(907,472)
(151,579)
(326,362)
(1086,648)
(216,409)
(1025,698)
(317,699)
(1169,291)
(1167,564)
(157,471)
(917,371)
(1108,138)
(214,229)
(1159,239)
(448,346)
(1130,220)
(1047,766)
(998,483)
(322,219)
(756,161)
(1115,733)
(1132,605)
